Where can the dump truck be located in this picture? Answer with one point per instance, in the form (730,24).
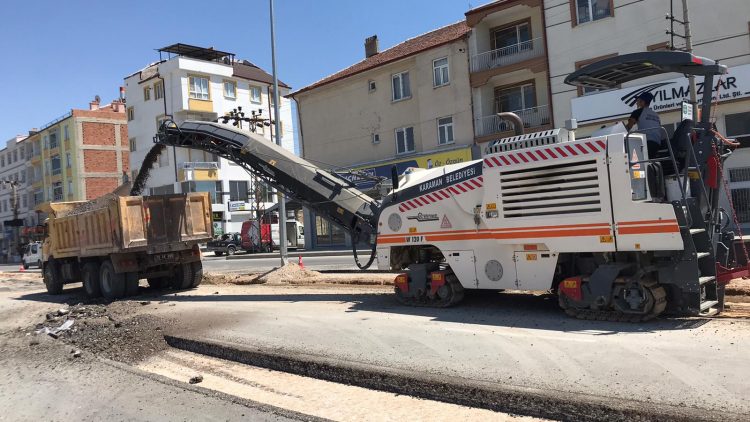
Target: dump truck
(111,243)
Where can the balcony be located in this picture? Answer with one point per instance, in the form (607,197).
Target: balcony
(535,117)
(507,55)
(199,171)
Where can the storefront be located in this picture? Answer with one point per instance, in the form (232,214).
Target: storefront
(731,112)
(324,235)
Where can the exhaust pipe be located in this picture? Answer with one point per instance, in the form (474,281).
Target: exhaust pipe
(513,118)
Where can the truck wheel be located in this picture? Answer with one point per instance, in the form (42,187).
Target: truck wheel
(131,284)
(183,277)
(197,274)
(218,253)
(53,278)
(112,284)
(90,275)
(231,250)
(158,282)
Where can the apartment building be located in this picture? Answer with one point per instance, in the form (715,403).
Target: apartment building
(582,31)
(196,83)
(409,106)
(79,156)
(13,181)
(508,67)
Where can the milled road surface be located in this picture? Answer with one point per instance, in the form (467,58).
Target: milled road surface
(221,264)
(514,340)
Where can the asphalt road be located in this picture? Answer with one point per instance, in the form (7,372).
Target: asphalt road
(221,264)
(517,340)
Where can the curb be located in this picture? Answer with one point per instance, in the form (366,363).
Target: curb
(303,254)
(551,404)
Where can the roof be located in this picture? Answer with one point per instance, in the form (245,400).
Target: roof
(245,69)
(195,52)
(407,48)
(609,73)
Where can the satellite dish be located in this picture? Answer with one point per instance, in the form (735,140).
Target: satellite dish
(97,99)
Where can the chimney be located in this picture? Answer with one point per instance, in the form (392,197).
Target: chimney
(94,105)
(371,46)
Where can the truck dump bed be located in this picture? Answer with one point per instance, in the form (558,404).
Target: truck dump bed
(116,224)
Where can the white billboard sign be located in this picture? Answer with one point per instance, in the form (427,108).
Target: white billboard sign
(668,95)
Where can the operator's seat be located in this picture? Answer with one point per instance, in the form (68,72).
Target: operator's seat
(681,145)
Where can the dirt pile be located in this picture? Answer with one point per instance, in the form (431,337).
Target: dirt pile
(289,273)
(295,275)
(106,332)
(98,203)
(738,287)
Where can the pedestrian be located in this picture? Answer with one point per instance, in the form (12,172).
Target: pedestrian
(648,122)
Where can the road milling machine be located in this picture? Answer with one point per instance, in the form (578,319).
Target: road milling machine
(616,234)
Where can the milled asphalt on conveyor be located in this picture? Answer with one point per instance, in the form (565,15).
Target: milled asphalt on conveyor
(511,353)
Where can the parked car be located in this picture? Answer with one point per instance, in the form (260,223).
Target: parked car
(227,243)
(266,237)
(32,255)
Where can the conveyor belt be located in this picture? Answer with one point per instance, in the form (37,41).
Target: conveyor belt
(330,196)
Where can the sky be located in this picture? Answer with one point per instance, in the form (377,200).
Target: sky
(58,55)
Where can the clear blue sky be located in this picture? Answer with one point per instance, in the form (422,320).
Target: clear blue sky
(58,54)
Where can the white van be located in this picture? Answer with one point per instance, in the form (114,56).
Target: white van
(32,255)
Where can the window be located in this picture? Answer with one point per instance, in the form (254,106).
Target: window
(146,93)
(401,89)
(57,191)
(24,202)
(255,94)
(512,39)
(238,190)
(738,126)
(23,152)
(213,189)
(158,90)
(46,143)
(2,160)
(56,164)
(68,160)
(375,138)
(271,97)
(739,174)
(52,140)
(15,155)
(445,130)
(515,98)
(199,88)
(265,193)
(230,89)
(440,74)
(70,187)
(131,114)
(592,10)
(741,201)
(404,140)
(131,141)
(66,134)
(371,86)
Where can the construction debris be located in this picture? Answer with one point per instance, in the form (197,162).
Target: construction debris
(196,379)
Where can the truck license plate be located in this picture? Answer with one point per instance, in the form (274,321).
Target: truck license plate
(163,257)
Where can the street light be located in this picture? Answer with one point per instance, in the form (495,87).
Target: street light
(282,204)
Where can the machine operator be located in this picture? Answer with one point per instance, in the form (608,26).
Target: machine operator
(648,123)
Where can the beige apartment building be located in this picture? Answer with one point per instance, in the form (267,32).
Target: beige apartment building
(409,106)
(508,67)
(582,31)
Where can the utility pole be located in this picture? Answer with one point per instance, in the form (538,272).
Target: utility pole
(689,49)
(280,196)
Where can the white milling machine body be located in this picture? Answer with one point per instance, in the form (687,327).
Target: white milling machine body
(586,218)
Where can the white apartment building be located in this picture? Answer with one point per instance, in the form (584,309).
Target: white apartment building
(582,31)
(195,83)
(13,161)
(408,106)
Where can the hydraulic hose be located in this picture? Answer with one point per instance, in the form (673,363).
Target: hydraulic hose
(355,241)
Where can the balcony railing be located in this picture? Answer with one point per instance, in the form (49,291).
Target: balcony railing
(200,165)
(531,117)
(507,55)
